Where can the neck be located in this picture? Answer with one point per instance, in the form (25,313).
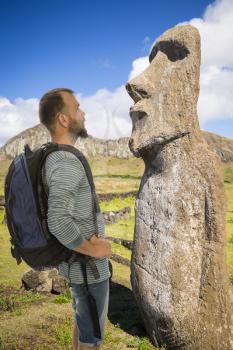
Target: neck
(63,139)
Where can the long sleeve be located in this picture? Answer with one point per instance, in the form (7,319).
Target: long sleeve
(63,182)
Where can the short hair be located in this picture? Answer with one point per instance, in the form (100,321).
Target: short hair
(50,104)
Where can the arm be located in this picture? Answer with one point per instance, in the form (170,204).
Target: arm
(63,182)
(96,247)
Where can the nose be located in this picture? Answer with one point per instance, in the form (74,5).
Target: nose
(138,89)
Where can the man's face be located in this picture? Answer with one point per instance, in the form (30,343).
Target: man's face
(76,126)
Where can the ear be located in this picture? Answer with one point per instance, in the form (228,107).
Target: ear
(62,120)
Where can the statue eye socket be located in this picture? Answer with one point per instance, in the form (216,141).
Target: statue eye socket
(173,49)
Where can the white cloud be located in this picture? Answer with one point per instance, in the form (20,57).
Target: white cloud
(16,117)
(216,97)
(107,113)
(216,34)
(138,66)
(216,80)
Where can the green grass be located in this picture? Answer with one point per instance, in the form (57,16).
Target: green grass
(121,167)
(123,229)
(62,298)
(63,335)
(115,174)
(14,301)
(4,164)
(228,178)
(140,343)
(10,272)
(120,250)
(118,176)
(117,185)
(118,204)
(121,274)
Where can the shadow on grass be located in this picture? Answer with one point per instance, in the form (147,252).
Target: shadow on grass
(123,310)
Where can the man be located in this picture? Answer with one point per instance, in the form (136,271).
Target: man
(70,213)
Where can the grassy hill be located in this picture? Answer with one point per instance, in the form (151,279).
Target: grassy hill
(43,322)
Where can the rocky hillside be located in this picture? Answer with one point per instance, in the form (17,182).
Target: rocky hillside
(91,146)
(222,145)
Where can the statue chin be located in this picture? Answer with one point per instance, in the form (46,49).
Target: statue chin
(154,144)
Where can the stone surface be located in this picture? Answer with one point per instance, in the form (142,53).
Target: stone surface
(179,274)
(45,281)
(92,146)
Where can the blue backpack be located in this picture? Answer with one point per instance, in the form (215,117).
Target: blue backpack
(26,205)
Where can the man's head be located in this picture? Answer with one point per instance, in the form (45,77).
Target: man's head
(60,112)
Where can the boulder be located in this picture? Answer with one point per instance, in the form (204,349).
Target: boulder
(44,281)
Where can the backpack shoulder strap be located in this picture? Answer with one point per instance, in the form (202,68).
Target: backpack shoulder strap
(52,147)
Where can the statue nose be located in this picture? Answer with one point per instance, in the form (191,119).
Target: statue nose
(137,91)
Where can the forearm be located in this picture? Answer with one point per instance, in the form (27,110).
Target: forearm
(95,247)
(87,248)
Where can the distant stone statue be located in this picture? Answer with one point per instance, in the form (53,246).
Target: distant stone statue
(179,274)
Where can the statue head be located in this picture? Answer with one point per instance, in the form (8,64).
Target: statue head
(166,93)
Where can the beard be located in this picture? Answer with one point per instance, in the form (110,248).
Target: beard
(75,131)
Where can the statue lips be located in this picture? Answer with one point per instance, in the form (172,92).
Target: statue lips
(136,115)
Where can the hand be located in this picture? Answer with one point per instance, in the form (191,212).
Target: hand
(102,248)
(94,238)
(97,247)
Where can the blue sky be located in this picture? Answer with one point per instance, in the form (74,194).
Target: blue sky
(84,45)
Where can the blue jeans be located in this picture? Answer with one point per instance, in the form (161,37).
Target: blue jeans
(100,292)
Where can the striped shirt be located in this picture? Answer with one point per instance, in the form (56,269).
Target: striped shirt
(70,213)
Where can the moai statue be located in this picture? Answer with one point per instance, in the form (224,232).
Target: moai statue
(179,274)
